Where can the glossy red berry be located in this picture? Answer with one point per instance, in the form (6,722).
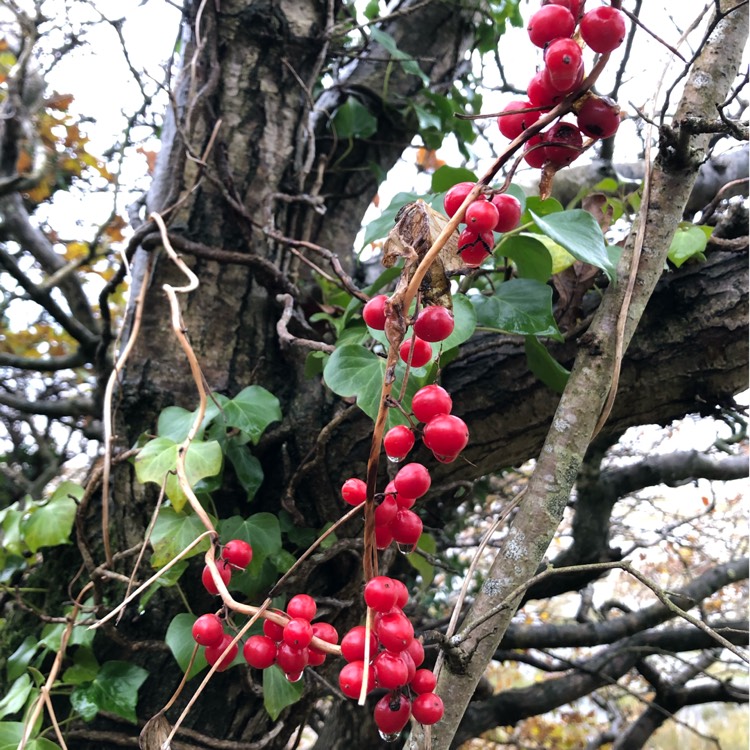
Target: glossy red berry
(550,22)
(222,655)
(427,708)
(354,491)
(391,713)
(512,125)
(446,435)
(421,353)
(208,630)
(424,681)
(565,144)
(542,93)
(564,61)
(406,528)
(599,117)
(326,632)
(402,593)
(411,668)
(412,480)
(394,630)
(508,210)
(225,572)
(402,501)
(273,631)
(398,441)
(291,659)
(374,312)
(434,323)
(416,650)
(386,511)
(302,605)
(380,593)
(574,6)
(391,671)
(351,677)
(475,248)
(603,28)
(456,196)
(431,400)
(259,651)
(237,553)
(353,644)
(298,632)
(481,216)
(534,153)
(383,537)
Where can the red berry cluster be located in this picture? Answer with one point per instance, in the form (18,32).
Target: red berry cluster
(236,555)
(483,216)
(392,657)
(552,28)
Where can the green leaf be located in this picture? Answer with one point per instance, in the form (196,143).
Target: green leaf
(21,657)
(545,366)
(532,259)
(114,689)
(172,533)
(353,120)
(408,63)
(52,523)
(16,696)
(353,370)
(522,306)
(372,10)
(689,241)
(381,226)
(535,205)
(278,692)
(84,669)
(261,531)
(446,177)
(420,564)
(252,410)
(11,734)
(175,422)
(179,638)
(578,232)
(247,467)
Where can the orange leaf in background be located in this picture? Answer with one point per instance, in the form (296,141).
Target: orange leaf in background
(150,158)
(705,501)
(427,160)
(59,102)
(114,228)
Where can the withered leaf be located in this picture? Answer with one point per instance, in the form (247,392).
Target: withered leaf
(154,733)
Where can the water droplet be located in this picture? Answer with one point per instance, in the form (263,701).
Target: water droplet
(294,676)
(394,459)
(405,549)
(389,737)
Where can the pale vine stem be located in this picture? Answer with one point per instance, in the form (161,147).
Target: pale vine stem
(44,691)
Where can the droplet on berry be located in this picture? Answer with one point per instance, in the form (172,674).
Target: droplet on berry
(398,441)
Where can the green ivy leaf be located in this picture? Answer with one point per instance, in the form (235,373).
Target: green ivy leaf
(175,422)
(353,120)
(261,531)
(114,689)
(16,696)
(446,177)
(10,523)
(278,692)
(252,410)
(380,227)
(522,306)
(11,734)
(21,657)
(84,669)
(531,257)
(372,10)
(247,467)
(689,241)
(545,366)
(577,231)
(540,207)
(179,638)
(420,564)
(52,523)
(353,370)
(172,533)
(408,63)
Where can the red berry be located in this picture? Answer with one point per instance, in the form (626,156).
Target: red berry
(353,644)
(383,537)
(391,713)
(599,117)
(509,212)
(225,572)
(416,650)
(354,491)
(380,593)
(567,141)
(315,658)
(456,196)
(429,401)
(326,632)
(542,93)
(564,61)
(208,630)
(421,355)
(291,659)
(574,6)
(511,126)
(222,655)
(374,312)
(386,511)
(534,152)
(402,593)
(402,501)
(603,28)
(398,441)
(273,631)
(474,248)
(302,605)
(427,708)
(550,22)
(424,681)
(351,677)
(481,216)
(390,670)
(259,651)
(294,676)
(412,480)
(411,668)
(298,632)
(446,435)
(434,323)
(406,528)
(238,553)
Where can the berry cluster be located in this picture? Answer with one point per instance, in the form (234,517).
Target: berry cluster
(552,28)
(389,660)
